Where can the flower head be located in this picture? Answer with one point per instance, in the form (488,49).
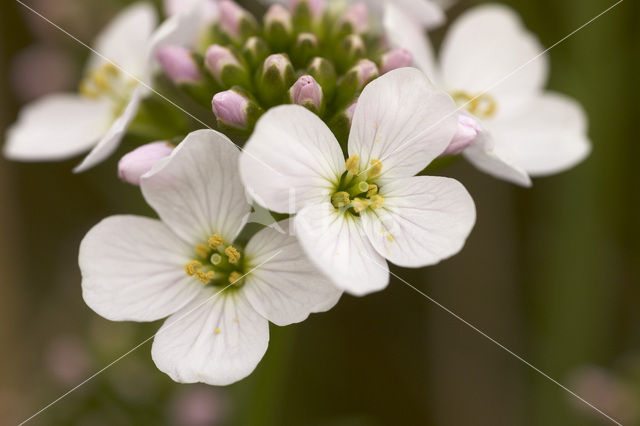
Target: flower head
(353,214)
(218,293)
(135,164)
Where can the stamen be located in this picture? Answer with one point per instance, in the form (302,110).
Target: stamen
(373,190)
(377,201)
(205,277)
(216,241)
(235,277)
(352,164)
(215,259)
(375,169)
(192,267)
(359,204)
(202,250)
(232,254)
(340,199)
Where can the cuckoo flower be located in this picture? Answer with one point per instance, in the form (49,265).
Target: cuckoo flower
(496,71)
(354,214)
(190,265)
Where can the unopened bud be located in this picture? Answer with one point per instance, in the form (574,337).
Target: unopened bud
(366,71)
(236,21)
(135,164)
(305,48)
(277,77)
(355,80)
(225,67)
(350,50)
(468,131)
(357,18)
(394,59)
(278,27)
(316,7)
(255,51)
(349,112)
(324,73)
(306,13)
(308,93)
(178,64)
(231,109)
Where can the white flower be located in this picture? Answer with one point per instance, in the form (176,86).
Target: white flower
(63,125)
(527,131)
(142,269)
(352,215)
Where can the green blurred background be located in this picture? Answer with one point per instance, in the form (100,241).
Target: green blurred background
(550,272)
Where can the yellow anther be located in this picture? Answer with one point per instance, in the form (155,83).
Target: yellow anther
(235,277)
(482,106)
(373,190)
(352,164)
(375,169)
(205,277)
(87,90)
(202,250)
(101,80)
(232,254)
(359,204)
(377,201)
(217,331)
(340,199)
(192,267)
(216,241)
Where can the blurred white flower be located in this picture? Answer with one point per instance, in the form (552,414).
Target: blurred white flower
(352,215)
(67,359)
(142,269)
(199,406)
(525,130)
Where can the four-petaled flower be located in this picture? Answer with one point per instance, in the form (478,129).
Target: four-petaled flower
(191,266)
(353,214)
(496,71)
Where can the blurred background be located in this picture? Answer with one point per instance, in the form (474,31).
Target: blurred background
(551,272)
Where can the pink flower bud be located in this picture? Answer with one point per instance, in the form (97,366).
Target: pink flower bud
(351,111)
(316,6)
(217,57)
(178,64)
(367,71)
(279,61)
(468,131)
(397,58)
(306,91)
(358,16)
(135,164)
(230,108)
(279,14)
(230,16)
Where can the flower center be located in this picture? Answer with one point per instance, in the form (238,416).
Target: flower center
(483,106)
(108,82)
(216,263)
(357,189)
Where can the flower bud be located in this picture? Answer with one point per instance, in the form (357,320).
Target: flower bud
(355,80)
(350,50)
(235,21)
(316,7)
(276,78)
(178,64)
(225,67)
(255,51)
(394,59)
(278,27)
(366,71)
(356,18)
(468,131)
(305,48)
(349,112)
(306,13)
(135,164)
(231,109)
(324,73)
(308,93)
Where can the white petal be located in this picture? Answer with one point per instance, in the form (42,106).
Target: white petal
(197,190)
(133,270)
(406,35)
(485,155)
(427,13)
(403,120)
(126,39)
(111,140)
(547,136)
(185,23)
(488,46)
(218,340)
(338,246)
(291,160)
(423,221)
(57,127)
(284,287)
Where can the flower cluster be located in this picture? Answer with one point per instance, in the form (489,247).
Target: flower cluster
(339,107)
